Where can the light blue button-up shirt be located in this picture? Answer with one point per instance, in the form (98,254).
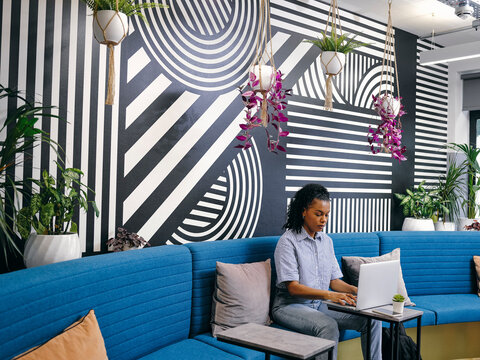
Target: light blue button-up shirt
(311,262)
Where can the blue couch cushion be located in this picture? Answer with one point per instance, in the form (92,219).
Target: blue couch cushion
(204,258)
(435,262)
(188,350)
(141,298)
(451,308)
(355,244)
(242,352)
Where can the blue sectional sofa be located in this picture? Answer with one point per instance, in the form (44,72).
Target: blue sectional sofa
(155,303)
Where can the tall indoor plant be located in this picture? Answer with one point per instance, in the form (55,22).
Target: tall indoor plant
(471,170)
(418,207)
(50,214)
(21,136)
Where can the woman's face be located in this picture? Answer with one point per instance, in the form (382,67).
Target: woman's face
(315,216)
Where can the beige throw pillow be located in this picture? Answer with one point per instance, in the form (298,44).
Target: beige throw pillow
(351,270)
(242,295)
(476,260)
(81,340)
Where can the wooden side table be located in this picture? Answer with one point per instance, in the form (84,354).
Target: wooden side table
(273,341)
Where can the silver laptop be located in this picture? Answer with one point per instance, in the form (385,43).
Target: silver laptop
(377,283)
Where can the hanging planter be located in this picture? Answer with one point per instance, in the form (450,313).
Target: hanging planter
(264,97)
(388,135)
(334,48)
(110,27)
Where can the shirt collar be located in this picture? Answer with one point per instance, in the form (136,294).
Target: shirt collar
(302,235)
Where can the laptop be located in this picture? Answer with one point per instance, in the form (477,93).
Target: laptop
(377,283)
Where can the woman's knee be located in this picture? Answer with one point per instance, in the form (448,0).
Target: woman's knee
(327,329)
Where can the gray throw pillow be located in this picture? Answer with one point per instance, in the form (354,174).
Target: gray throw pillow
(351,270)
(242,295)
(476,260)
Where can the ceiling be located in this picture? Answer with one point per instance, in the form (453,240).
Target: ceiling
(415,16)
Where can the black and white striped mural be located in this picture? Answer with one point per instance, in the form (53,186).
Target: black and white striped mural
(161,160)
(431,119)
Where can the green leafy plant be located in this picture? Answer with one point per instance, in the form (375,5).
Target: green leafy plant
(472,170)
(51,211)
(398,298)
(21,137)
(128,7)
(420,202)
(342,44)
(449,191)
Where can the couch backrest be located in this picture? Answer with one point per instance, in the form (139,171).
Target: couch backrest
(355,244)
(204,258)
(141,298)
(435,262)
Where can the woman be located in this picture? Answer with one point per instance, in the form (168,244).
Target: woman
(307,268)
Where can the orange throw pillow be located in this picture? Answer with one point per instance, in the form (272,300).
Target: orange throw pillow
(81,340)
(476,260)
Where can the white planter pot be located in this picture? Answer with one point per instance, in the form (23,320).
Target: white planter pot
(447,226)
(398,307)
(332,63)
(268,76)
(462,222)
(390,105)
(412,224)
(49,249)
(110,27)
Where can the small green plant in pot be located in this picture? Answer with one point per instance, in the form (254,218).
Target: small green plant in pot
(398,303)
(418,207)
(126,241)
(50,214)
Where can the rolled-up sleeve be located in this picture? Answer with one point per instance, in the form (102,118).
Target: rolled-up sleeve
(286,262)
(336,272)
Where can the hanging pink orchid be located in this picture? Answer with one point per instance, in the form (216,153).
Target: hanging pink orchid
(388,135)
(271,103)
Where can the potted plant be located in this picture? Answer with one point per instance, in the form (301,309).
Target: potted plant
(471,170)
(22,136)
(126,241)
(50,214)
(449,190)
(418,206)
(398,303)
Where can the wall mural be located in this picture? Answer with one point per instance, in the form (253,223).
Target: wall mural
(161,159)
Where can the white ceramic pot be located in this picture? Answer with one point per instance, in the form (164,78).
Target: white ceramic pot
(412,224)
(447,226)
(462,222)
(110,27)
(398,307)
(332,62)
(49,249)
(390,105)
(267,75)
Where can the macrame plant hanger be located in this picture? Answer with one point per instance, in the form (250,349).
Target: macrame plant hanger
(332,20)
(389,62)
(264,36)
(110,43)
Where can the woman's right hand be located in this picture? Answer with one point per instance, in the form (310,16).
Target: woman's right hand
(343,298)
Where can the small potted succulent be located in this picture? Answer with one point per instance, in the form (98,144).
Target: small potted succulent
(398,303)
(126,241)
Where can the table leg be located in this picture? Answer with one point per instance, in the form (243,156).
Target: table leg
(419,330)
(369,336)
(391,340)
(397,341)
(330,354)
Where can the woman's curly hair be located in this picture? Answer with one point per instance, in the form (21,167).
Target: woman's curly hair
(300,202)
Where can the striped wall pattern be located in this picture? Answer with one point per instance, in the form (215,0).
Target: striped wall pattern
(161,160)
(430,119)
(330,147)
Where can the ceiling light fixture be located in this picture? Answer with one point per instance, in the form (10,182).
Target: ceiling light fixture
(451,53)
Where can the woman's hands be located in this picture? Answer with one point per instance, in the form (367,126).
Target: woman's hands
(342,298)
